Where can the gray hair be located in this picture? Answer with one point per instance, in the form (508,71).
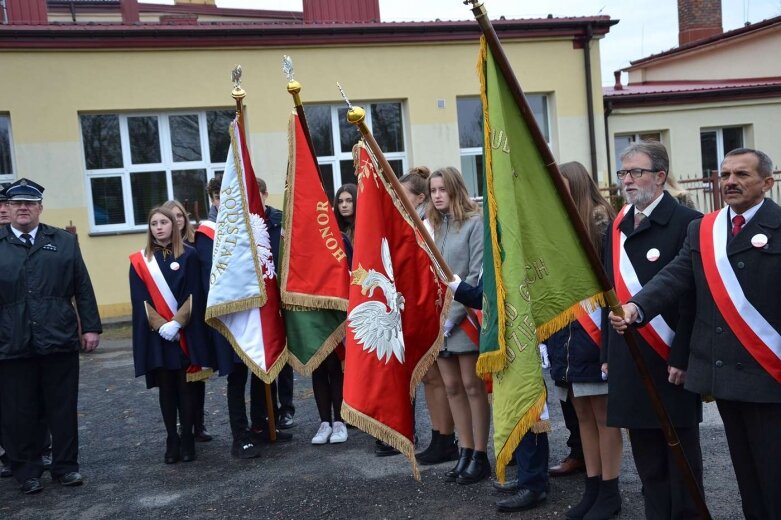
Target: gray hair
(765,163)
(655,151)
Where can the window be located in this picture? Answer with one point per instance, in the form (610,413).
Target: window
(137,161)
(715,143)
(6,149)
(333,139)
(470,135)
(621,141)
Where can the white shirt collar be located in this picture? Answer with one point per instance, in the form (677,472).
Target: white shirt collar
(647,211)
(20,233)
(748,214)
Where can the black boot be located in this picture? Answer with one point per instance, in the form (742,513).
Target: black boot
(172,444)
(464,457)
(424,457)
(188,448)
(608,502)
(448,448)
(201,435)
(587,501)
(478,469)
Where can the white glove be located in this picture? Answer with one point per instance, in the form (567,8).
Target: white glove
(454,283)
(544,355)
(448,328)
(169,331)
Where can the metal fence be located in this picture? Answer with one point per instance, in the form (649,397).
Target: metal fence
(703,192)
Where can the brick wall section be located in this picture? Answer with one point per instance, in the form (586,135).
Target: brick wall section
(698,19)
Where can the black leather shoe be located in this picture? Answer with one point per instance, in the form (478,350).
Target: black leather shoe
(510,487)
(384,450)
(172,446)
(464,456)
(187,451)
(245,449)
(32,486)
(285,421)
(71,479)
(524,499)
(478,469)
(259,436)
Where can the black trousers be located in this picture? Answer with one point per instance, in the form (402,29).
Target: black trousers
(30,388)
(665,494)
(754,441)
(237,408)
(285,391)
(531,457)
(571,422)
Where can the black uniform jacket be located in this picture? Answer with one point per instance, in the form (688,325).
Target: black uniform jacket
(719,365)
(38,287)
(628,403)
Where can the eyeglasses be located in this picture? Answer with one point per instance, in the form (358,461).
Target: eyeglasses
(636,173)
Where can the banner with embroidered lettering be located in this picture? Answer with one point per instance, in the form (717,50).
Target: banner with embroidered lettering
(314,275)
(243,302)
(398,305)
(535,272)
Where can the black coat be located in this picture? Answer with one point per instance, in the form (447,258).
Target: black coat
(719,365)
(628,403)
(38,289)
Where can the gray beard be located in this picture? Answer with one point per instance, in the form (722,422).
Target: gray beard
(642,197)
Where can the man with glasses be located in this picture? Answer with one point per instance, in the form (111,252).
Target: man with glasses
(42,275)
(647,234)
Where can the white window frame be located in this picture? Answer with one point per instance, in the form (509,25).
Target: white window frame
(9,176)
(167,164)
(339,156)
(720,138)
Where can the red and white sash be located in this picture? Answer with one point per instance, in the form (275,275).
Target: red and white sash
(657,333)
(471,328)
(163,299)
(592,323)
(208,228)
(753,331)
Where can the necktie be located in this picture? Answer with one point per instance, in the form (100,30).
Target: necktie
(737,224)
(639,217)
(27,239)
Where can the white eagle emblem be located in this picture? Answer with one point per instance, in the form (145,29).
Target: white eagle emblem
(263,245)
(377,326)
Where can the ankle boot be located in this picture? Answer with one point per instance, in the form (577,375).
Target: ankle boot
(478,469)
(464,457)
(587,501)
(172,444)
(608,503)
(201,435)
(188,448)
(448,448)
(424,457)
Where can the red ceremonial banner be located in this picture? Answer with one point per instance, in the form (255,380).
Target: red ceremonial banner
(397,308)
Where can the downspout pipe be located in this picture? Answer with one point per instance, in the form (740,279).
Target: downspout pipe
(592,137)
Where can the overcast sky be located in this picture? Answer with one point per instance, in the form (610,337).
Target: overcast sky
(646,26)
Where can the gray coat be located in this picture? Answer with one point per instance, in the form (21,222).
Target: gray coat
(462,248)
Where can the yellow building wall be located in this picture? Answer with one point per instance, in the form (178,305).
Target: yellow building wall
(45,92)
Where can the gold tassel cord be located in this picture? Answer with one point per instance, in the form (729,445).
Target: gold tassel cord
(201,375)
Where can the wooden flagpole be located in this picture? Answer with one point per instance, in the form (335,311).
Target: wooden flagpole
(495,46)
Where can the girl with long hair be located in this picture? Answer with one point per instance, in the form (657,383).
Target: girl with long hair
(458,232)
(187,231)
(345,202)
(168,329)
(576,370)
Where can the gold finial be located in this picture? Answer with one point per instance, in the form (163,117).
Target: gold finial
(355,115)
(238,92)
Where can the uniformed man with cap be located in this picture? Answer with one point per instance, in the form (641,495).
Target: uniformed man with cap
(42,276)
(5,218)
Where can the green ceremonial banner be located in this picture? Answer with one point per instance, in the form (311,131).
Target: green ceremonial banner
(535,270)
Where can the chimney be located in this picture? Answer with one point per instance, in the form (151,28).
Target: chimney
(26,12)
(698,19)
(129,9)
(341,11)
(617,77)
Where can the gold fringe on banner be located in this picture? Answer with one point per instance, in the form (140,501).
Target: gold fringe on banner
(202,375)
(323,352)
(527,422)
(308,302)
(489,362)
(266,376)
(430,357)
(382,432)
(215,311)
(557,323)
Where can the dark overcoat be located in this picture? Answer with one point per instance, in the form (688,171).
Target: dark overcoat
(628,403)
(719,365)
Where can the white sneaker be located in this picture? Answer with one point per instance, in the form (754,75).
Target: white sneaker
(323,433)
(339,434)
